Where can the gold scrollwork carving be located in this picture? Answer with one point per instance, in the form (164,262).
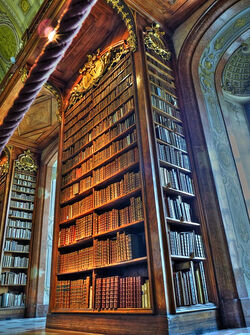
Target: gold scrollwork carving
(4,161)
(24,71)
(123,10)
(26,162)
(93,70)
(153,40)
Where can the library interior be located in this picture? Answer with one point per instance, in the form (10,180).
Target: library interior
(124,146)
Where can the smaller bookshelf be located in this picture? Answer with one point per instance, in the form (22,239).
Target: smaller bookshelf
(184,233)
(18,233)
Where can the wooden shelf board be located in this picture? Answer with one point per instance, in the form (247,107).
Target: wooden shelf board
(167,164)
(159,61)
(77,244)
(164,72)
(114,265)
(178,257)
(19,218)
(171,190)
(13,267)
(22,209)
(170,145)
(24,192)
(109,311)
(183,223)
(22,200)
(193,308)
(11,308)
(13,285)
(24,186)
(16,252)
(17,238)
(165,114)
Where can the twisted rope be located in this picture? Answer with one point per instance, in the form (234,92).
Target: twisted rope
(69,25)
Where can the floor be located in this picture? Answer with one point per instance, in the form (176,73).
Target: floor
(37,327)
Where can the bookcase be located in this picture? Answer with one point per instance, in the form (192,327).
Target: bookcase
(129,255)
(182,214)
(17,233)
(102,253)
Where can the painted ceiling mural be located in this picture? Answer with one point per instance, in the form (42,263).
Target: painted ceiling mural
(15,18)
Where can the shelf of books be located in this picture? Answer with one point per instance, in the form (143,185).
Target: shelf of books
(17,235)
(184,238)
(101,257)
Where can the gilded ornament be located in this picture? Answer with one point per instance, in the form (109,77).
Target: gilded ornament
(4,161)
(94,69)
(123,10)
(153,41)
(26,162)
(24,73)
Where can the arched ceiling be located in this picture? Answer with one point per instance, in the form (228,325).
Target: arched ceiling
(236,74)
(15,18)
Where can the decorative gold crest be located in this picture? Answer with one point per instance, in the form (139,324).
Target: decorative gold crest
(153,41)
(26,162)
(4,161)
(95,68)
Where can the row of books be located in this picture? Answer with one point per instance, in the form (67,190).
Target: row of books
(18,233)
(19,223)
(78,172)
(102,91)
(175,179)
(118,217)
(178,209)
(10,299)
(128,183)
(23,189)
(67,153)
(118,164)
(78,208)
(24,183)
(169,123)
(186,244)
(122,292)
(164,77)
(190,284)
(75,294)
(15,261)
(78,187)
(113,132)
(164,106)
(167,69)
(101,223)
(22,196)
(83,154)
(124,85)
(23,176)
(91,121)
(13,278)
(123,247)
(20,214)
(76,261)
(166,85)
(174,156)
(89,117)
(23,205)
(162,93)
(114,148)
(15,246)
(170,137)
(99,175)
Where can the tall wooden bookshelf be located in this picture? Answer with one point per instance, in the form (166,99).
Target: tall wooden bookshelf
(178,190)
(128,252)
(17,234)
(102,256)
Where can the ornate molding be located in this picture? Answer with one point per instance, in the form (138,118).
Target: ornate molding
(26,161)
(24,71)
(57,94)
(123,10)
(5,161)
(154,41)
(93,70)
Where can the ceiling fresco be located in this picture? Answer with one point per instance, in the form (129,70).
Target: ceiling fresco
(15,18)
